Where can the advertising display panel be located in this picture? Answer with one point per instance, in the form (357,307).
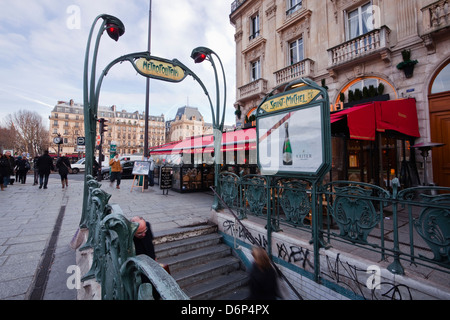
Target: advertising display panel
(293,131)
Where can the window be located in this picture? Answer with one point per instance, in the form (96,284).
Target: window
(296,51)
(365,83)
(293,5)
(254,27)
(358,21)
(442,81)
(255,70)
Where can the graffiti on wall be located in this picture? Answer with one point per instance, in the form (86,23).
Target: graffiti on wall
(365,283)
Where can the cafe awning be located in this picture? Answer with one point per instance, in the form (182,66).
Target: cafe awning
(365,120)
(231,141)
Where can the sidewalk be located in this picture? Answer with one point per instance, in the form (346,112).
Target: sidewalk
(29,226)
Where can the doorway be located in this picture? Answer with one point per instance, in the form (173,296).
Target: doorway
(439,104)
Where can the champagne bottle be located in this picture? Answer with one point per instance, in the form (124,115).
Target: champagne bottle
(287,150)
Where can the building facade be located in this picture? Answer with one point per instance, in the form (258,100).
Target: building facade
(188,122)
(125,129)
(353,47)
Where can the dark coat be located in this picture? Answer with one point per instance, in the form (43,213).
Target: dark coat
(63,165)
(4,168)
(145,245)
(262,283)
(22,165)
(45,164)
(12,164)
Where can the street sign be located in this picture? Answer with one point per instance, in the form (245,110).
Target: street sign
(81,141)
(161,69)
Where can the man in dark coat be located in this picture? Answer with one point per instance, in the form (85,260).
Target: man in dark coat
(143,238)
(12,164)
(45,166)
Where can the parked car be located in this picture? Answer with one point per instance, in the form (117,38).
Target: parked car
(78,166)
(127,173)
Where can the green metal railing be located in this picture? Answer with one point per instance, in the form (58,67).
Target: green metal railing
(410,225)
(121,274)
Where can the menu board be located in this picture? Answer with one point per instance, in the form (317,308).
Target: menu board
(166,178)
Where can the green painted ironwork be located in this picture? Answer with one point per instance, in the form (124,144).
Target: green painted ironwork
(114,262)
(360,214)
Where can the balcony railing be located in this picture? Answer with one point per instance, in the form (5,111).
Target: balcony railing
(252,89)
(362,46)
(302,69)
(436,16)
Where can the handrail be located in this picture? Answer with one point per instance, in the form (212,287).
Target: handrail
(250,236)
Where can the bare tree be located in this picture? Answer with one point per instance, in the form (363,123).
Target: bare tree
(29,135)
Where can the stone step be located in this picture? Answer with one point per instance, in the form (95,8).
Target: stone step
(216,286)
(174,248)
(176,234)
(201,264)
(198,256)
(201,272)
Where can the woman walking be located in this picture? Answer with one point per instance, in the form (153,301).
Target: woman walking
(63,166)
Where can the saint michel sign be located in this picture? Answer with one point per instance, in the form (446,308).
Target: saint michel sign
(293,130)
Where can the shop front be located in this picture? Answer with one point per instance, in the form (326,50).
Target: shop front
(192,159)
(372,143)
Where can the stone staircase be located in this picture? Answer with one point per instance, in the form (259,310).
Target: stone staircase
(201,263)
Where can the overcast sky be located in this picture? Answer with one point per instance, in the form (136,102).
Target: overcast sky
(43,43)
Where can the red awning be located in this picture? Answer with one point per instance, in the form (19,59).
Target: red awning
(397,115)
(364,120)
(231,141)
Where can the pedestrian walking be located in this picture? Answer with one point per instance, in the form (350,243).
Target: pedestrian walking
(151,180)
(35,171)
(22,167)
(263,277)
(116,171)
(45,166)
(4,170)
(63,166)
(12,164)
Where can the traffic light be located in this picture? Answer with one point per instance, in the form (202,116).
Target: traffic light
(114,31)
(199,57)
(103,125)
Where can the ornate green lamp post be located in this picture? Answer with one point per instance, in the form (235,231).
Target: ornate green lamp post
(199,55)
(115,29)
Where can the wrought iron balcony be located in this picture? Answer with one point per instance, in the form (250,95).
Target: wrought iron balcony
(365,46)
(302,69)
(252,89)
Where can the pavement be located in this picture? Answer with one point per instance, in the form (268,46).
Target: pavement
(37,226)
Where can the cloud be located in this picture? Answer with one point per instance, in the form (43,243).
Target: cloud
(41,58)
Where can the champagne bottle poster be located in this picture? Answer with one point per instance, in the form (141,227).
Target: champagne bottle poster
(291,142)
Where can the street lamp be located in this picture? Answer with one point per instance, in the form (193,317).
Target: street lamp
(115,29)
(199,55)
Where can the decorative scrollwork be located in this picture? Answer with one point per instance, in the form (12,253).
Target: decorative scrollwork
(117,246)
(132,271)
(229,188)
(294,201)
(256,195)
(355,216)
(433,225)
